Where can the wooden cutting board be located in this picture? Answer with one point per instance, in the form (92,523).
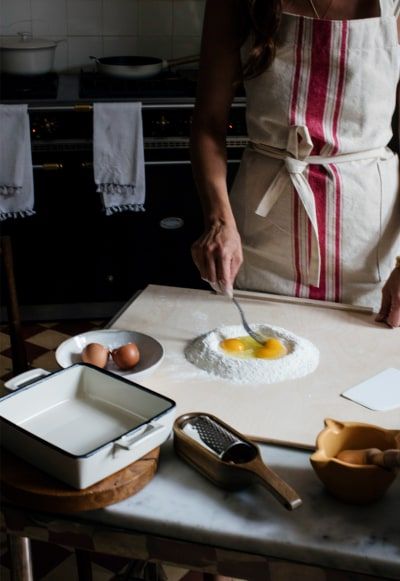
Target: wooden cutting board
(28,486)
(352,348)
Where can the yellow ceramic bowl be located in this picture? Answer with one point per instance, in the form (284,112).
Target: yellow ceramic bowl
(353,483)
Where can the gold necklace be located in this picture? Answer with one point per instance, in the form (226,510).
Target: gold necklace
(319,16)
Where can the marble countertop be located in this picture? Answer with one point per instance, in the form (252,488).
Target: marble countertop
(182,504)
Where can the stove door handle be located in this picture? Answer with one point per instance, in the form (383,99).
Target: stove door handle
(49,166)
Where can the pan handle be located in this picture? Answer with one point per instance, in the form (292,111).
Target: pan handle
(184,60)
(127,443)
(96,59)
(25,378)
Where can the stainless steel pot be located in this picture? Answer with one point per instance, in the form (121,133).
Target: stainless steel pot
(137,67)
(24,55)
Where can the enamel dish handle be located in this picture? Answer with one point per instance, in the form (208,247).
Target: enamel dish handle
(25,378)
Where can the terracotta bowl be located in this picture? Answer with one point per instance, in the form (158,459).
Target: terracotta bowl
(353,483)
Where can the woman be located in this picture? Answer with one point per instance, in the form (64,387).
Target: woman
(315,207)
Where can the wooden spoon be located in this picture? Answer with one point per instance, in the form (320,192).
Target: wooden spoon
(386,458)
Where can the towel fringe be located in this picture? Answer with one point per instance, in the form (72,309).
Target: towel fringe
(124,208)
(18,214)
(9,190)
(124,189)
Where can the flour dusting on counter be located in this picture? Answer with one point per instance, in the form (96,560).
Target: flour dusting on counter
(206,353)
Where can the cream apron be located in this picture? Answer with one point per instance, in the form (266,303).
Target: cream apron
(316,197)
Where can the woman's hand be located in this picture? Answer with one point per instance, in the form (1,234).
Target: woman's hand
(218,255)
(390,307)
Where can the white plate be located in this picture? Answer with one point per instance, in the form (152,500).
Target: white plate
(151,351)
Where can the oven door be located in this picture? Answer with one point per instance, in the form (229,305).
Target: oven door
(71,260)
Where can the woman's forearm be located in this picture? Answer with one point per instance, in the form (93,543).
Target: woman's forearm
(208,153)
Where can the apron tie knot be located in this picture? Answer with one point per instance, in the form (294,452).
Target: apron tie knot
(295,166)
(296,158)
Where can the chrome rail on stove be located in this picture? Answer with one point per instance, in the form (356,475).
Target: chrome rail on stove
(69,213)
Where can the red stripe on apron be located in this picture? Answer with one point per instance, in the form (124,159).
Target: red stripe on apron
(316,102)
(338,182)
(318,84)
(293,119)
(338,235)
(296,80)
(340,89)
(318,183)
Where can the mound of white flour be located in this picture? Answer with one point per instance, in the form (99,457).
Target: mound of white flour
(205,353)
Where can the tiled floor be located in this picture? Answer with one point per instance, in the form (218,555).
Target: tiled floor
(57,563)
(41,341)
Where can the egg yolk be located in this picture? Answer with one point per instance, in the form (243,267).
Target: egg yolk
(273,349)
(233,345)
(246,347)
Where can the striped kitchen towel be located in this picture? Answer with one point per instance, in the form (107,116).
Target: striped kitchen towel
(16,172)
(118,156)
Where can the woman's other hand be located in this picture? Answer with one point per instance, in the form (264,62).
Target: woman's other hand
(390,308)
(218,255)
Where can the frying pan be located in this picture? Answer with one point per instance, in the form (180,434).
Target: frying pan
(137,67)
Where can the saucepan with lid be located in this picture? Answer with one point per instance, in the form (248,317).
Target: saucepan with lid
(138,67)
(25,55)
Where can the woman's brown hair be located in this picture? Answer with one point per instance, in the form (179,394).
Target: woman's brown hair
(259,22)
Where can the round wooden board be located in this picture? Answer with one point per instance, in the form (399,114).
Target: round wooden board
(28,486)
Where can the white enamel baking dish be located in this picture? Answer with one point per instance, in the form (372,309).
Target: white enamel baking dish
(82,424)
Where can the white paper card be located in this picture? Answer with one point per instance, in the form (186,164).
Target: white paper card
(379,393)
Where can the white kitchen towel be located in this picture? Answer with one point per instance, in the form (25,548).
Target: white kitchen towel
(16,172)
(118,156)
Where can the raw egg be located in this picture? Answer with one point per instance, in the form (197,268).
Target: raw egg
(126,356)
(96,354)
(272,349)
(233,345)
(247,348)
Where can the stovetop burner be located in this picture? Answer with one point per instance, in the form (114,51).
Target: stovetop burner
(20,88)
(93,85)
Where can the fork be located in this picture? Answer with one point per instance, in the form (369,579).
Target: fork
(259,338)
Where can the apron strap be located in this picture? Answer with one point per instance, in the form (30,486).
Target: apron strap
(386,9)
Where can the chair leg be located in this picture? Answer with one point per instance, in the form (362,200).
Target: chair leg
(21,562)
(18,351)
(83,565)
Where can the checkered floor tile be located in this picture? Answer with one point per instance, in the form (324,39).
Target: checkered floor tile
(41,341)
(52,563)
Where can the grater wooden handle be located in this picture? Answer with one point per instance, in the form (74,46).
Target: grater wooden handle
(284,493)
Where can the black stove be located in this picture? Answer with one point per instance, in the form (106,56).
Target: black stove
(27,88)
(93,85)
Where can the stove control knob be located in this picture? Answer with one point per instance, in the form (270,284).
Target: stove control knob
(172,223)
(44,128)
(161,125)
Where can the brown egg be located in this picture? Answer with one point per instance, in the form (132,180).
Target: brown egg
(96,354)
(126,356)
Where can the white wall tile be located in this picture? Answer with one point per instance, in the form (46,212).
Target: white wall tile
(158,46)
(120,45)
(16,16)
(84,17)
(161,28)
(49,17)
(80,48)
(120,17)
(185,46)
(155,17)
(188,17)
(61,55)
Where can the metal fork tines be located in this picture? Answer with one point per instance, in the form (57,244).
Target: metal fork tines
(259,338)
